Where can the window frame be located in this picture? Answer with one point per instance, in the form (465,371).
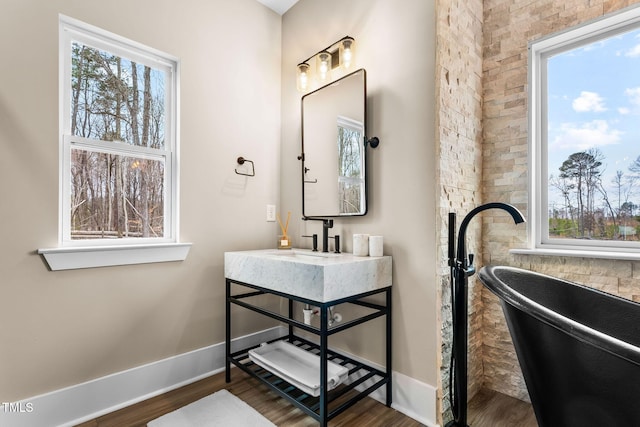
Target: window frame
(539,52)
(102,252)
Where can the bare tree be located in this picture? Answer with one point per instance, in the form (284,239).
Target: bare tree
(144,197)
(566,188)
(635,166)
(582,170)
(114,99)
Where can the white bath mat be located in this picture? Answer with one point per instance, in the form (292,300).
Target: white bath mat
(221,409)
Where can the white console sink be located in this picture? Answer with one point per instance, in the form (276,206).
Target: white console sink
(317,276)
(301,253)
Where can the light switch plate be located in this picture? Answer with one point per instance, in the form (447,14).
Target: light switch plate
(271,213)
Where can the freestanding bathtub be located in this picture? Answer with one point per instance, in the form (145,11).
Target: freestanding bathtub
(579,348)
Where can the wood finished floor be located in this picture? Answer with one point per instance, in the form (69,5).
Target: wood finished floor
(492,409)
(487,409)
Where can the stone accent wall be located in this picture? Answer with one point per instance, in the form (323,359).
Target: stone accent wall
(459,151)
(509,25)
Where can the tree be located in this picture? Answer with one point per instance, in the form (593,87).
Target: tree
(583,174)
(115,99)
(635,166)
(566,188)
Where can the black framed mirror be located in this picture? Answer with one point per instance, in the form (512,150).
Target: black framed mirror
(334,181)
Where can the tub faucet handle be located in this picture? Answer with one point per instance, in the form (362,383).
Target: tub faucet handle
(336,247)
(471,269)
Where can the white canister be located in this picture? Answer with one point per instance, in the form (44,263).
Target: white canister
(361,244)
(375,245)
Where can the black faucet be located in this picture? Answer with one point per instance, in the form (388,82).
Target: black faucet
(461,264)
(326,225)
(461,268)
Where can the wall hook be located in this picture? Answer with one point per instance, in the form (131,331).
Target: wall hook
(241,161)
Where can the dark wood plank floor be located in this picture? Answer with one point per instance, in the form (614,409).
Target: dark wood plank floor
(487,409)
(492,409)
(367,412)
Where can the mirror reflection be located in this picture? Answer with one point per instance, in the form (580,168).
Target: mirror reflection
(333,160)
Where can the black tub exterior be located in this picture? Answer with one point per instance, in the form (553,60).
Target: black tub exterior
(579,348)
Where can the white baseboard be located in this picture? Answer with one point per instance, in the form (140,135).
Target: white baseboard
(82,402)
(413,398)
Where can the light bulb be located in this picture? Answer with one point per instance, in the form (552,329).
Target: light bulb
(324,65)
(346,58)
(323,69)
(347,53)
(303,77)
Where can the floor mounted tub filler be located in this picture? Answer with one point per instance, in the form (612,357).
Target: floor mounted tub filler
(461,266)
(579,348)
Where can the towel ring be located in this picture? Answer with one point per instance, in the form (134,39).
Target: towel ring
(241,161)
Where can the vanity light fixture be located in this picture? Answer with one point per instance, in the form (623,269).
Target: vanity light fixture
(302,77)
(338,54)
(323,62)
(346,51)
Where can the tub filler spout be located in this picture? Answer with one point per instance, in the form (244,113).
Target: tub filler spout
(461,266)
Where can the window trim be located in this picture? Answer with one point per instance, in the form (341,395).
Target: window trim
(95,253)
(539,51)
(73,258)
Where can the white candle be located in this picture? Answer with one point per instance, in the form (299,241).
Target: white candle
(361,244)
(375,245)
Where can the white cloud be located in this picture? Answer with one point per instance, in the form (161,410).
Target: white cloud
(596,45)
(634,95)
(633,98)
(634,52)
(585,135)
(588,101)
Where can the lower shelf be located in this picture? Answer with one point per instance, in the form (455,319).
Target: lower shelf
(338,399)
(297,366)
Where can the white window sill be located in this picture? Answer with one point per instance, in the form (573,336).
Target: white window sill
(105,256)
(602,254)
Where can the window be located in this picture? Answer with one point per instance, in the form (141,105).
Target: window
(350,166)
(118,118)
(584,133)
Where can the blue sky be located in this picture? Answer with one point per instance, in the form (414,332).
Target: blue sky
(594,102)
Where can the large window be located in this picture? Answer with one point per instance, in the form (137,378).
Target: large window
(118,138)
(118,152)
(585,136)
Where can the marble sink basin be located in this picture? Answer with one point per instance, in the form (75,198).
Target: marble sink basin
(317,276)
(301,254)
